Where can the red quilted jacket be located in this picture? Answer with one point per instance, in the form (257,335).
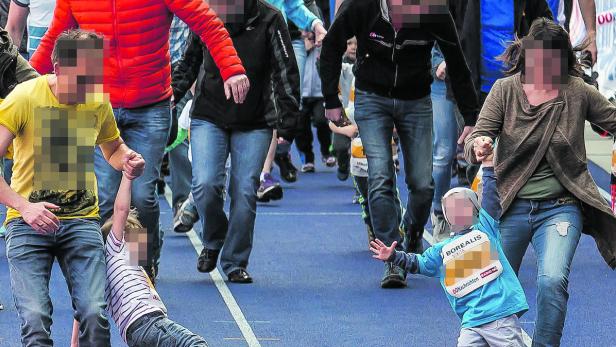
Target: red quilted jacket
(137,68)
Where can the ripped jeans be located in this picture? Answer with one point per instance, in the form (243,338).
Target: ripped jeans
(554,228)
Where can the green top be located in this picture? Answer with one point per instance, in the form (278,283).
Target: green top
(542,185)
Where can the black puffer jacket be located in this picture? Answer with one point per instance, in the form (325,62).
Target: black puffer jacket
(263,44)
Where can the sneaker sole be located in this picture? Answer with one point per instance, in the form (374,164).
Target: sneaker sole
(271,193)
(393,282)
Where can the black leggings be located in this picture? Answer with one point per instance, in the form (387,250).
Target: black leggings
(313,112)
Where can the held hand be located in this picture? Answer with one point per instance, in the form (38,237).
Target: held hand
(133,166)
(381,251)
(465,132)
(334,114)
(319,34)
(40,218)
(237,86)
(441,71)
(483,147)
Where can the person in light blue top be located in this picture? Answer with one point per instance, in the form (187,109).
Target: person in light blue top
(479,282)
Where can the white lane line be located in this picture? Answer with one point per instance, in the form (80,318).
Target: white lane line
(527,339)
(224,291)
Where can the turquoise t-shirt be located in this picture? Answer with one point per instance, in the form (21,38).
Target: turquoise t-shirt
(496,299)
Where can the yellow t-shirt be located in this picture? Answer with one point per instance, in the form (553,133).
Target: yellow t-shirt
(53,149)
(9,150)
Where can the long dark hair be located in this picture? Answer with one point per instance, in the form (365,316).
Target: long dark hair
(554,36)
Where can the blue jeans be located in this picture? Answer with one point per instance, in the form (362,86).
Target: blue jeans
(445,131)
(544,225)
(78,245)
(376,117)
(299,48)
(145,130)
(210,146)
(157,330)
(179,165)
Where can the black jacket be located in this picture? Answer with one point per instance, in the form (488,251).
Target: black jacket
(524,11)
(8,64)
(394,64)
(263,44)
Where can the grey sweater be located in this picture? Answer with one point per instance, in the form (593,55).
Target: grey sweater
(554,131)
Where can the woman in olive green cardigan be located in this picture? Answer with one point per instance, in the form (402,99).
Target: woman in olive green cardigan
(548,197)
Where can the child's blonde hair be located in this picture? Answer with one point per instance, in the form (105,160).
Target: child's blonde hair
(132,222)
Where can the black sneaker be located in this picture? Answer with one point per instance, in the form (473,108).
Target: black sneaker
(393,277)
(342,175)
(185,217)
(288,172)
(239,276)
(207,260)
(413,241)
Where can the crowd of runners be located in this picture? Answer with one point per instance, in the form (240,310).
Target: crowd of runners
(102,100)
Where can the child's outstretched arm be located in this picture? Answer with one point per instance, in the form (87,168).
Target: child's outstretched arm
(121,208)
(427,264)
(490,201)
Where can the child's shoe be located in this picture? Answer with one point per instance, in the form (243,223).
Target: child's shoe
(269,189)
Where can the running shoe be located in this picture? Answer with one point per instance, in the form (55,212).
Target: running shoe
(393,277)
(185,218)
(329,161)
(239,276)
(207,260)
(307,168)
(342,174)
(288,172)
(269,189)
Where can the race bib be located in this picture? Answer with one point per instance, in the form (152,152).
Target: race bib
(470,262)
(359,163)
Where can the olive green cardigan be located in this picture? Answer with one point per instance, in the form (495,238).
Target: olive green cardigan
(555,131)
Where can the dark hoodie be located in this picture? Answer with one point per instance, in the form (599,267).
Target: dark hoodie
(13,68)
(394,63)
(263,44)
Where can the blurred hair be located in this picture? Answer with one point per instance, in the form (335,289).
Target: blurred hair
(132,222)
(553,36)
(66,46)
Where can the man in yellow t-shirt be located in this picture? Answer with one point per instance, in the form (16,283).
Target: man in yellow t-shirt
(54,122)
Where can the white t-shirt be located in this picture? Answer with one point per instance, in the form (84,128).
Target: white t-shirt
(39,19)
(129,292)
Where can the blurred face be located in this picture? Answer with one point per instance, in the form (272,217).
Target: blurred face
(544,67)
(408,12)
(459,210)
(137,243)
(229,11)
(80,75)
(351,51)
